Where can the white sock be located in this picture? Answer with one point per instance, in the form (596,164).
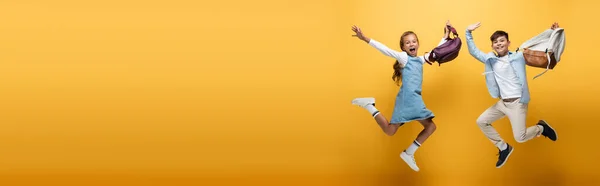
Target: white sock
(503,146)
(371,108)
(412,148)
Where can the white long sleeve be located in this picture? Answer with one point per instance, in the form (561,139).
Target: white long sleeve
(442,41)
(402,57)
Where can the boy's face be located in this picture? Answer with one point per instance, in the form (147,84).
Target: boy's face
(500,45)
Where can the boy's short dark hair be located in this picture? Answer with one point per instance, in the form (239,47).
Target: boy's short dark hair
(498,34)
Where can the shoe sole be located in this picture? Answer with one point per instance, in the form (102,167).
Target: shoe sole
(406,161)
(555,133)
(505,160)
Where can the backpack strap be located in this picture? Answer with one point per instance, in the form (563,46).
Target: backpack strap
(547,68)
(452,30)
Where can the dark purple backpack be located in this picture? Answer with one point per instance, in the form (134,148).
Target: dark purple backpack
(447,51)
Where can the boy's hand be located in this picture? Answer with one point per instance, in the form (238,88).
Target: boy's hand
(554,26)
(473,26)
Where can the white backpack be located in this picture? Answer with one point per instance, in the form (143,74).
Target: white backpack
(544,50)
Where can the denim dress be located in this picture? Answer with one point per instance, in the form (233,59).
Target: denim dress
(409,105)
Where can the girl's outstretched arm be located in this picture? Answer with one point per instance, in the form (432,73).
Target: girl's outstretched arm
(359,34)
(402,57)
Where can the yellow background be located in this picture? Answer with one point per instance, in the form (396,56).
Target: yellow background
(258,93)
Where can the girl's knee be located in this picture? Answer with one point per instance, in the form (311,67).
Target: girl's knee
(432,127)
(429,125)
(390,132)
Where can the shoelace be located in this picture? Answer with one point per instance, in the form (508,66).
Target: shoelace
(499,153)
(412,157)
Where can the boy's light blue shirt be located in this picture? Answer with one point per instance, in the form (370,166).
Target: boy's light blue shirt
(516,61)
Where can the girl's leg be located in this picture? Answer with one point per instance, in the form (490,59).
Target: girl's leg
(387,127)
(408,154)
(384,124)
(428,129)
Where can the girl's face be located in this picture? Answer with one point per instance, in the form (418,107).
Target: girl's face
(410,45)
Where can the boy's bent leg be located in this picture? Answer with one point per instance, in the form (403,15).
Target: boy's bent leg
(485,121)
(517,114)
